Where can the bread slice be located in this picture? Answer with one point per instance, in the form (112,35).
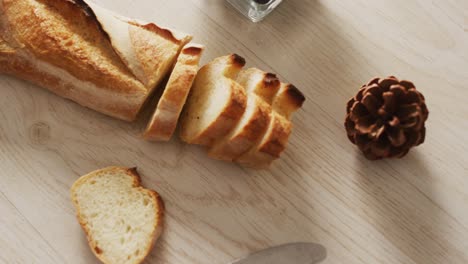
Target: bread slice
(261,88)
(264,84)
(165,118)
(288,100)
(216,102)
(270,147)
(121,219)
(60,45)
(246,133)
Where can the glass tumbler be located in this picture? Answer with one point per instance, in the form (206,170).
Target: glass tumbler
(255,10)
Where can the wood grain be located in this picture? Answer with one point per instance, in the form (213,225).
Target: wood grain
(413,210)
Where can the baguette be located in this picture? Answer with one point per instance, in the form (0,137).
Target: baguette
(62,46)
(216,102)
(121,219)
(165,118)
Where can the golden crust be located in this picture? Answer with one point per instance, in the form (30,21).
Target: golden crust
(157,200)
(58,32)
(170,35)
(106,102)
(164,121)
(40,33)
(193,50)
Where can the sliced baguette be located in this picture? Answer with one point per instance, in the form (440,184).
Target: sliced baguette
(62,46)
(165,118)
(246,133)
(261,88)
(264,84)
(121,219)
(216,102)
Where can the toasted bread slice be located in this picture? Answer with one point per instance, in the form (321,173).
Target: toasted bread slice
(264,84)
(216,102)
(246,133)
(165,118)
(270,147)
(121,219)
(288,100)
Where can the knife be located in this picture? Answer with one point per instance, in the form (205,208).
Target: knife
(295,253)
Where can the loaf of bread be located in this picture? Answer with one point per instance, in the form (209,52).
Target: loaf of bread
(164,121)
(121,219)
(85,53)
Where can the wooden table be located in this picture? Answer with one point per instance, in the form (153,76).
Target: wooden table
(413,210)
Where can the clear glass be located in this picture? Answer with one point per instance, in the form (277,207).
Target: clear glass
(255,10)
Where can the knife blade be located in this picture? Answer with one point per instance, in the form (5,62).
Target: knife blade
(294,253)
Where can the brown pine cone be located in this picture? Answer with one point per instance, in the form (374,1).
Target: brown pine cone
(386,118)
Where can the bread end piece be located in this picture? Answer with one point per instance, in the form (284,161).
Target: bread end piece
(121,219)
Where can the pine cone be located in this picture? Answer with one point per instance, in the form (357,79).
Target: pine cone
(386,118)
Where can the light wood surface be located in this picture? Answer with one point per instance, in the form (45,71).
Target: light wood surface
(413,210)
